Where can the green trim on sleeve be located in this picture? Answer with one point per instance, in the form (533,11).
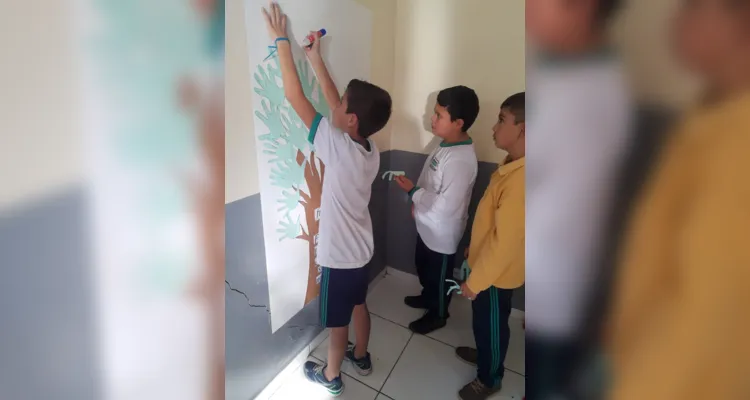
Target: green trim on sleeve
(314,128)
(413,190)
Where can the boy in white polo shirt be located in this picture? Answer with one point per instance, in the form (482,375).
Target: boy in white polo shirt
(441,203)
(345,240)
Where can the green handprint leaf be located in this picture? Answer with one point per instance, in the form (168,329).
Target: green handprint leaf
(289,201)
(296,130)
(271,117)
(283,150)
(268,88)
(287,175)
(289,229)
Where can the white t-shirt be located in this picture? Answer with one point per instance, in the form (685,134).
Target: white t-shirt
(441,200)
(345,233)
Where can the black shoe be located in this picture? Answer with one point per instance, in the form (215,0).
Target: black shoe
(428,323)
(467,355)
(363,366)
(415,301)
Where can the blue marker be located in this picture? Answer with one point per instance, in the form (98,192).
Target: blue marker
(311,38)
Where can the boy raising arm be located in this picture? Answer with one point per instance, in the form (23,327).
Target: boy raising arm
(345,239)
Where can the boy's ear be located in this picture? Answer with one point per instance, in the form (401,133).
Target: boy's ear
(351,120)
(522,127)
(459,124)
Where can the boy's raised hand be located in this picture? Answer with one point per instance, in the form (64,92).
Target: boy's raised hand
(314,50)
(275,20)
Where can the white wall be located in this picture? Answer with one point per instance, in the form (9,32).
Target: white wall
(241,161)
(443,43)
(40,137)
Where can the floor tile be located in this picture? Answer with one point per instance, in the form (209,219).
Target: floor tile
(387,341)
(426,360)
(459,332)
(514,387)
(387,298)
(297,387)
(427,370)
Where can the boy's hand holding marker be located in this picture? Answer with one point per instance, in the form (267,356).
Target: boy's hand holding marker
(404,183)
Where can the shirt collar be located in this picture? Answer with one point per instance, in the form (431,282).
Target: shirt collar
(467,141)
(510,166)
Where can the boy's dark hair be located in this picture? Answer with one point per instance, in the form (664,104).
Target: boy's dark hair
(516,105)
(371,104)
(606,9)
(461,103)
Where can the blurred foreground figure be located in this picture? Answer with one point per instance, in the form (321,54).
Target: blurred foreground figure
(578,124)
(202,94)
(679,322)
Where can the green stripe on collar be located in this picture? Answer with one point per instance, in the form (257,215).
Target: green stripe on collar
(443,144)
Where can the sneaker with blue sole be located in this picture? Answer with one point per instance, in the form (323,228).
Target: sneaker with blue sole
(314,373)
(362,366)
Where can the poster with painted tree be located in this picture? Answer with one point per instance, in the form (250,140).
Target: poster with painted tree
(290,175)
(294,169)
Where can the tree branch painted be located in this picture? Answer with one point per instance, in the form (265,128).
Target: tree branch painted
(294,168)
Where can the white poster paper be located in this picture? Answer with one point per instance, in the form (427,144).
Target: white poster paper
(290,175)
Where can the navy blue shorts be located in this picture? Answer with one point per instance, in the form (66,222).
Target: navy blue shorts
(340,291)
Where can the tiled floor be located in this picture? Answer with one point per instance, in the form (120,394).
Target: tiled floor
(408,366)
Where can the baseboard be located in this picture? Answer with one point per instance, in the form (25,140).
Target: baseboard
(379,277)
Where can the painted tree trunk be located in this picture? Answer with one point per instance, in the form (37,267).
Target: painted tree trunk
(311,203)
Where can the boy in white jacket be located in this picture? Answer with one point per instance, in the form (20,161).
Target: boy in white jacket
(441,202)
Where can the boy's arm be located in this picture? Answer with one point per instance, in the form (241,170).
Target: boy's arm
(458,179)
(505,245)
(292,86)
(330,92)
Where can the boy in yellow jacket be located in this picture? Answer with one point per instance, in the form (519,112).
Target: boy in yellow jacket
(496,254)
(680,319)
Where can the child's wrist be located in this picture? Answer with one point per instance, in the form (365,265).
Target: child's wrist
(281,39)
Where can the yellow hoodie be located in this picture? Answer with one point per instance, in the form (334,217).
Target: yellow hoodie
(497,247)
(681,313)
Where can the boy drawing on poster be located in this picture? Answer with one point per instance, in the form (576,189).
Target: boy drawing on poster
(299,177)
(345,239)
(441,203)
